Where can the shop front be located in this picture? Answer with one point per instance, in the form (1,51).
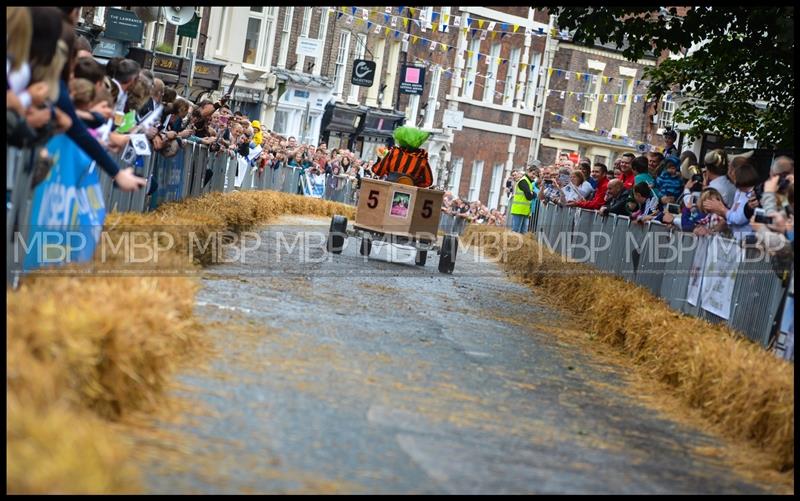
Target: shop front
(342,124)
(377,131)
(174,71)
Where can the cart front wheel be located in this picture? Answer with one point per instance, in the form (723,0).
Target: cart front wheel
(337,234)
(366,245)
(447,255)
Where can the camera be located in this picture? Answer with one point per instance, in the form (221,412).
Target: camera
(548,181)
(673,208)
(761,216)
(750,239)
(783,183)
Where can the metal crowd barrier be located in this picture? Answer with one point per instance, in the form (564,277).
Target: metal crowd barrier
(660,259)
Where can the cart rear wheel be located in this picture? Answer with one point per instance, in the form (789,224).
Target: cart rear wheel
(337,234)
(447,256)
(366,245)
(422,258)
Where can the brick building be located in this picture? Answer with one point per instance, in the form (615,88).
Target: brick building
(595,104)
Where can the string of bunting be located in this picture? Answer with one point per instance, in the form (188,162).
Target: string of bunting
(443,47)
(603,132)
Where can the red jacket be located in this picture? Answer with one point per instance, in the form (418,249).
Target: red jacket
(599,198)
(628,180)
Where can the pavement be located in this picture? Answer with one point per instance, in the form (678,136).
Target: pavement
(368,376)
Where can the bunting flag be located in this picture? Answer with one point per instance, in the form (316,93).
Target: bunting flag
(386,32)
(386,18)
(435,16)
(424,42)
(516,27)
(400,9)
(469,21)
(605,98)
(412,10)
(479,57)
(605,79)
(469,54)
(566,75)
(405,22)
(504,26)
(433,45)
(378,29)
(369,25)
(446,18)
(435,26)
(364,14)
(338,15)
(387,10)
(563,94)
(359,21)
(349,20)
(483,34)
(405,37)
(480,23)
(396,33)
(491,26)
(394,21)
(353,10)
(456,21)
(473,33)
(414,38)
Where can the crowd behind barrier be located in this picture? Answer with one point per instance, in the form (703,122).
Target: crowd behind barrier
(710,277)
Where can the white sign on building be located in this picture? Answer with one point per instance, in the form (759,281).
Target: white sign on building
(308,46)
(453,119)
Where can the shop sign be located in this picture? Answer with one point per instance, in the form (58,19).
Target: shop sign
(413,80)
(308,46)
(123,25)
(363,73)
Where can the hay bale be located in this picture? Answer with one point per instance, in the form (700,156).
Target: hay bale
(742,390)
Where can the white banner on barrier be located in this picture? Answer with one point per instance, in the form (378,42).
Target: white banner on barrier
(719,276)
(696,272)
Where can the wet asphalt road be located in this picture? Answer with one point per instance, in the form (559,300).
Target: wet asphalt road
(374,377)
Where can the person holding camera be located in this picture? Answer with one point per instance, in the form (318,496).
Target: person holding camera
(738,216)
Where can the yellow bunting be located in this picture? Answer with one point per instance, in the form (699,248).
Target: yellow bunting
(469,53)
(435,26)
(549,72)
(405,22)
(386,32)
(446,18)
(516,27)
(480,23)
(413,10)
(414,39)
(605,80)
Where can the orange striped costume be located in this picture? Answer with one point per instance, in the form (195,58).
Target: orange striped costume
(413,163)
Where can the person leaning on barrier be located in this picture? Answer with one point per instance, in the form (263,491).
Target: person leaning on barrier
(744,202)
(599,172)
(777,236)
(616,199)
(521,203)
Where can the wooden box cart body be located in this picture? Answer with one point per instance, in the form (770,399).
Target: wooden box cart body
(399,214)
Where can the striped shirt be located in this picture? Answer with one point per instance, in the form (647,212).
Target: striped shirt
(412,163)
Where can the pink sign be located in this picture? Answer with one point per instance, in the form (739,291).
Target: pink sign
(412,75)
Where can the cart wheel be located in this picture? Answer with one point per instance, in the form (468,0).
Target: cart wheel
(337,234)
(422,257)
(447,256)
(366,245)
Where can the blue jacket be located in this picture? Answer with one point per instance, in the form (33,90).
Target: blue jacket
(669,186)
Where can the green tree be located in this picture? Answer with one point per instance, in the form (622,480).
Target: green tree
(739,78)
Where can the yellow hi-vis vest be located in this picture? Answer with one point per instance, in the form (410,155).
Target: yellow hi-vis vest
(521,205)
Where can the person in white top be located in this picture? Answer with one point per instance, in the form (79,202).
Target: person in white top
(124,76)
(744,201)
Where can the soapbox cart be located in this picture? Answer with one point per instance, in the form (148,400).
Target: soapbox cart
(397,214)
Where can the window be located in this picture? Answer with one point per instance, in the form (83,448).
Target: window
(665,117)
(251,40)
(491,75)
(259,30)
(372,92)
(471,69)
(621,104)
(391,75)
(361,43)
(304,30)
(511,76)
(433,97)
(533,80)
(455,175)
(341,63)
(494,189)
(321,35)
(281,122)
(444,20)
(285,32)
(223,20)
(475,180)
(590,95)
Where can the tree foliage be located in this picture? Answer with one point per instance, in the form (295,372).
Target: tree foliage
(737,80)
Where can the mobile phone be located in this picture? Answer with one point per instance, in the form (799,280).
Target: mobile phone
(673,208)
(548,181)
(761,216)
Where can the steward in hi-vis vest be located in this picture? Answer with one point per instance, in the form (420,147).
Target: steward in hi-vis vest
(523,194)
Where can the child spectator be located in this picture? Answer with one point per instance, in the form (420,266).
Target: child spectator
(670,181)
